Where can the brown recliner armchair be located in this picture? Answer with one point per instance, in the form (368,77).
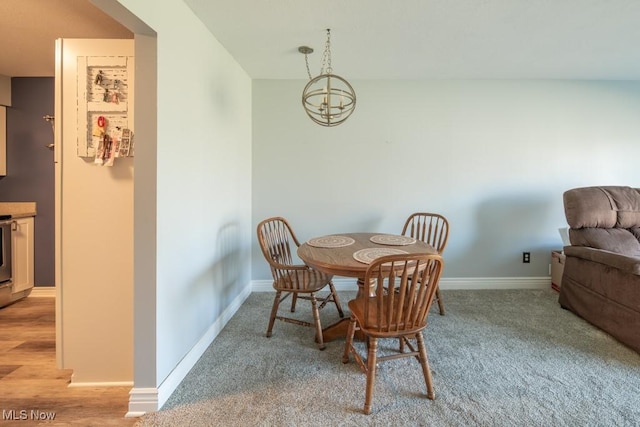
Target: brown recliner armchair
(601,279)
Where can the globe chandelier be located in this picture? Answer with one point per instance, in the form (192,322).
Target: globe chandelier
(328,99)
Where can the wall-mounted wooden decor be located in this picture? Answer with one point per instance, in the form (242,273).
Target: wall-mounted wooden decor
(105,108)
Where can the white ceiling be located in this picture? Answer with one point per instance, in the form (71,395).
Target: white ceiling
(371,39)
(416,39)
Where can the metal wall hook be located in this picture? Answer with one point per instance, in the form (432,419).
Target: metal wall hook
(51,120)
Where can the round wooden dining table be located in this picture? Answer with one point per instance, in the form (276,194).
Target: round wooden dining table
(339,259)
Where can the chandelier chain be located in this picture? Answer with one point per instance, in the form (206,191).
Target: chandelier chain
(306,61)
(326,56)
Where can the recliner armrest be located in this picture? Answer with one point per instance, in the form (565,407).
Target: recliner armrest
(612,259)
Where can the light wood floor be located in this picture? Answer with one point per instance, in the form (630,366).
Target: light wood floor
(32,386)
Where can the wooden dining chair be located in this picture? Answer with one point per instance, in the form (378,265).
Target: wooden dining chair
(433,229)
(405,286)
(276,238)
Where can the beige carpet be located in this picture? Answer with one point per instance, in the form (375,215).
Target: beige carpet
(499,358)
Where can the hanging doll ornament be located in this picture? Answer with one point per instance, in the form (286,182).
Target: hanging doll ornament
(100,126)
(115,94)
(99,78)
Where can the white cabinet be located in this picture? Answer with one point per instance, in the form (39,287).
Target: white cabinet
(22,263)
(5,101)
(3,140)
(5,91)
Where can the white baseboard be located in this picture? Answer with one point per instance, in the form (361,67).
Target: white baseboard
(471,283)
(143,400)
(459,283)
(100,384)
(43,292)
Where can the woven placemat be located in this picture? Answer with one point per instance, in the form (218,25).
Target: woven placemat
(367,255)
(331,241)
(392,240)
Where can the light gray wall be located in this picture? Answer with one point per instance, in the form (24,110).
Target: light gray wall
(203,184)
(493,156)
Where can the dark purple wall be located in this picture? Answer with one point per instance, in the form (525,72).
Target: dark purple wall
(30,173)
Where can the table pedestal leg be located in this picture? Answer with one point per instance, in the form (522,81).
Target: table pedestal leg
(336,330)
(340,328)
(370,289)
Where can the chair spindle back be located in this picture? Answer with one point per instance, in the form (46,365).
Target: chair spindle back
(405,286)
(276,237)
(429,227)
